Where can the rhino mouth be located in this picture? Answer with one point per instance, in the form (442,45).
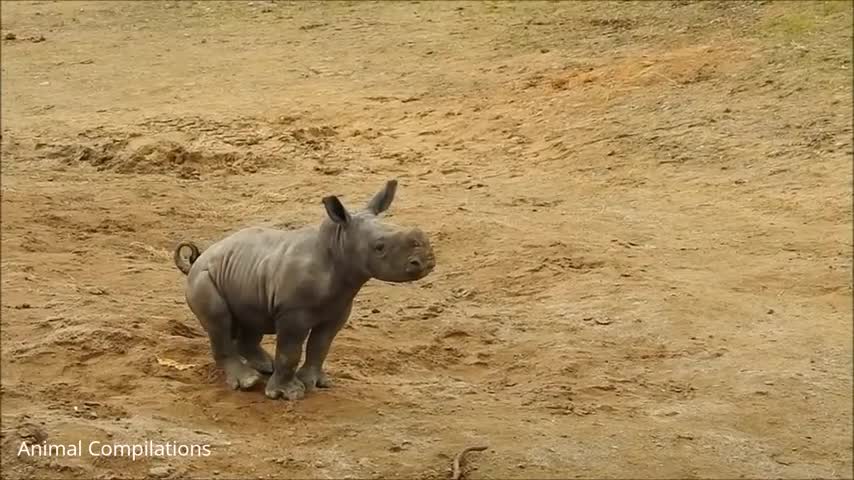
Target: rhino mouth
(419,274)
(408,276)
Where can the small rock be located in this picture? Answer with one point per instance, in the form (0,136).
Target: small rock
(435,309)
(23,306)
(375,310)
(769,382)
(783,459)
(38,39)
(603,321)
(460,292)
(10,36)
(161,471)
(770,311)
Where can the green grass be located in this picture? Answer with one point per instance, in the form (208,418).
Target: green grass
(790,26)
(831,8)
(793,21)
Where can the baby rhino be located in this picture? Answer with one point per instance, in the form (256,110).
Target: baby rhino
(296,284)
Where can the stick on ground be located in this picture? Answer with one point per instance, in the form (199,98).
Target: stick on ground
(458,473)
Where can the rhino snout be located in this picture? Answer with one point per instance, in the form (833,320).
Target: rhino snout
(420,265)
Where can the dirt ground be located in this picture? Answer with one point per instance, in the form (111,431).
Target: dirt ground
(641,211)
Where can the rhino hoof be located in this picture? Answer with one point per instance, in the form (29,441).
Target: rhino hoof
(292,390)
(312,379)
(242,378)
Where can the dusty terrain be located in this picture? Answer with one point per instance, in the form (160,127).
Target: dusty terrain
(641,211)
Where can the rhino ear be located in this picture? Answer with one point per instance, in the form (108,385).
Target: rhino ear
(336,211)
(382,200)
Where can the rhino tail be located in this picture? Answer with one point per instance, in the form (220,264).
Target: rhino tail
(182,265)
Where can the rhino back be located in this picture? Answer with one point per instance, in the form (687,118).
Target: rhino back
(240,268)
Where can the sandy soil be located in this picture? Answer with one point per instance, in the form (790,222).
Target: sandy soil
(642,216)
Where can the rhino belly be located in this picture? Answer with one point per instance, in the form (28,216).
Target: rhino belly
(252,316)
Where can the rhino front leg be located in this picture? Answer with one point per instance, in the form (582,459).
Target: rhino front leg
(319,342)
(284,382)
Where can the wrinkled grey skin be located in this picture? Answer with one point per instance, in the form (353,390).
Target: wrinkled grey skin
(297,284)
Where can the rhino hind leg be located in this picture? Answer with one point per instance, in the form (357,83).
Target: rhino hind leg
(213,312)
(249,347)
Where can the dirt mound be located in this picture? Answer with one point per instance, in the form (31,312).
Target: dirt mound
(86,341)
(164,157)
(686,66)
(188,147)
